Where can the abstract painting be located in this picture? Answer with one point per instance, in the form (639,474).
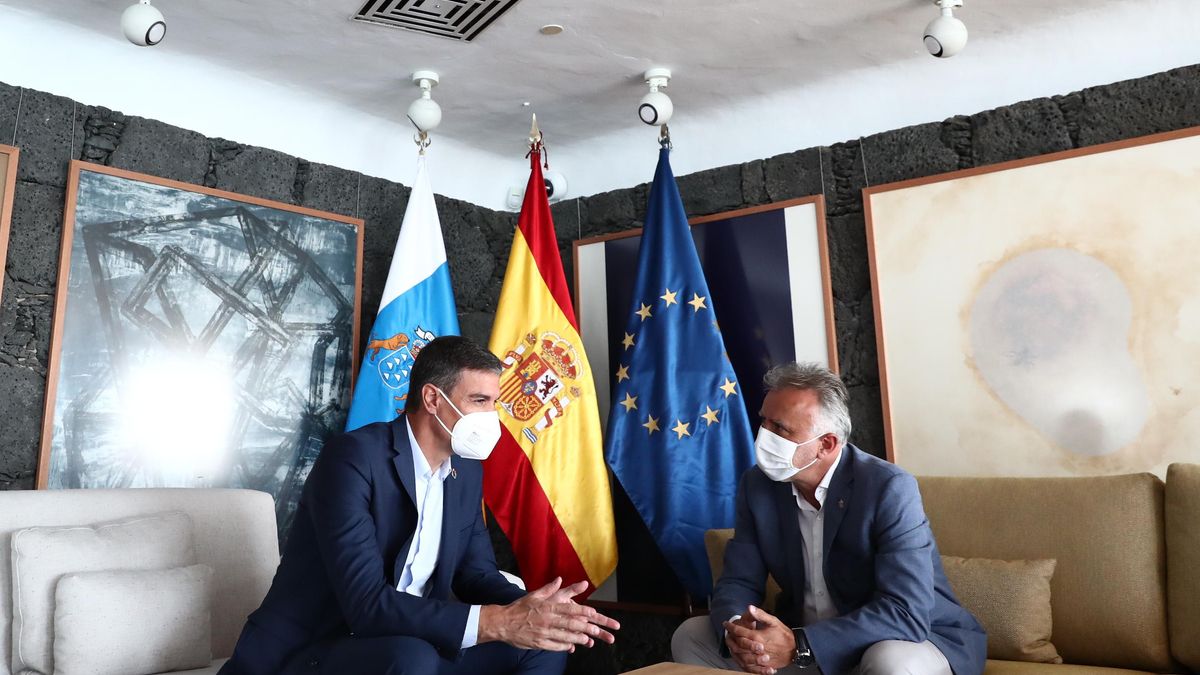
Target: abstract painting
(1042,317)
(767,268)
(201,338)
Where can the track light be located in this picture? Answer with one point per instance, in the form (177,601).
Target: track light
(143,24)
(424,112)
(945,36)
(656,108)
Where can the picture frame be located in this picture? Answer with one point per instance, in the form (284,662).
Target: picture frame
(778,241)
(8,185)
(767,269)
(1033,318)
(201,338)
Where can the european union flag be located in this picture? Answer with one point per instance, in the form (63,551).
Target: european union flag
(678,433)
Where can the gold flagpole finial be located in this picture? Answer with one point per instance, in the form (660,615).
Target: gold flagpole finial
(535,134)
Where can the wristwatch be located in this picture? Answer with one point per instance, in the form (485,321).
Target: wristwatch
(804,658)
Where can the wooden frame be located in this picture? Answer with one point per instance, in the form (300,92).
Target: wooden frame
(795,234)
(1078,207)
(8,185)
(250,213)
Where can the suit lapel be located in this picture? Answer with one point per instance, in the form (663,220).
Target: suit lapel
(403,461)
(789,534)
(404,458)
(837,499)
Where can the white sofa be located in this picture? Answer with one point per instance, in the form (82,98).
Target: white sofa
(234,534)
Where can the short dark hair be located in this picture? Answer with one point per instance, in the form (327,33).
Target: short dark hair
(441,362)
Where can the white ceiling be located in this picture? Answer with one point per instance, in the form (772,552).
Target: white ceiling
(584,83)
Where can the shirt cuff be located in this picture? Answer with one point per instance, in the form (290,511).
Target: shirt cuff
(471,633)
(735,617)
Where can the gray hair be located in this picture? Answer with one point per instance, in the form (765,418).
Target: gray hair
(830,390)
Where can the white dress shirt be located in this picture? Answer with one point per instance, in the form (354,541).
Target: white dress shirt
(427,539)
(818,606)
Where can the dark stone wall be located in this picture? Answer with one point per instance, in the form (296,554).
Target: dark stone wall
(51,131)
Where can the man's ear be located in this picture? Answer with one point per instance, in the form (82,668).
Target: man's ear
(429,397)
(829,443)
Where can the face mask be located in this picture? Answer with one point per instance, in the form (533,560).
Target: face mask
(475,435)
(774,454)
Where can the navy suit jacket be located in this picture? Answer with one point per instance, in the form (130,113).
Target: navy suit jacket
(347,548)
(882,566)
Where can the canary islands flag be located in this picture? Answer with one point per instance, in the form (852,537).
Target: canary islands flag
(678,433)
(417,306)
(546,482)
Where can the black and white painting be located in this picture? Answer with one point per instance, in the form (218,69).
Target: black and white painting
(206,339)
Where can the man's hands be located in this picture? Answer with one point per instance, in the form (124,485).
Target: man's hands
(759,642)
(548,619)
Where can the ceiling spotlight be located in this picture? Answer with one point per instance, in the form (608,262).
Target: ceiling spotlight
(655,108)
(143,24)
(945,36)
(424,112)
(551,29)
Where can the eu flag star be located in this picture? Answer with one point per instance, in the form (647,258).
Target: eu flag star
(644,312)
(628,341)
(651,424)
(669,297)
(728,387)
(681,428)
(697,302)
(711,416)
(630,402)
(622,373)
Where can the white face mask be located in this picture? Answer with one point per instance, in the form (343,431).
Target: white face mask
(774,454)
(475,435)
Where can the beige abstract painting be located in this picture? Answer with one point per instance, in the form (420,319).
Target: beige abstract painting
(1042,317)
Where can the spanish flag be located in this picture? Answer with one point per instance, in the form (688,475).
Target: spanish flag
(546,482)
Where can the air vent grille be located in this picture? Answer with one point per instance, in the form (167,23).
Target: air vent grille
(454,19)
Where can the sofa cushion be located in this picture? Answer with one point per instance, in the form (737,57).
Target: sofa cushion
(133,622)
(1183,562)
(1108,594)
(42,555)
(1011,598)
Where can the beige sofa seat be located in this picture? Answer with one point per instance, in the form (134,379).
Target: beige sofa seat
(234,533)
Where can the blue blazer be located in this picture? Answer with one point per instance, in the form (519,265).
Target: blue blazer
(347,548)
(882,566)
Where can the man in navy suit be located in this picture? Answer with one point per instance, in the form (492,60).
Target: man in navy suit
(389,568)
(846,537)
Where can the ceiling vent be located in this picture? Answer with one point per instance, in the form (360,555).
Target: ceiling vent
(454,19)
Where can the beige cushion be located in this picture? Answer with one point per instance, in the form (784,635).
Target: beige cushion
(133,622)
(42,555)
(1011,598)
(715,542)
(1183,561)
(1108,594)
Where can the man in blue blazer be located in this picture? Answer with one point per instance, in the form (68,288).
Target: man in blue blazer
(845,536)
(389,568)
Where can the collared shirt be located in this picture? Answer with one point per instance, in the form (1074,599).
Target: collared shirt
(818,606)
(427,539)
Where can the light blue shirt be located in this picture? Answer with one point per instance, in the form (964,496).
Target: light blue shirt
(427,540)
